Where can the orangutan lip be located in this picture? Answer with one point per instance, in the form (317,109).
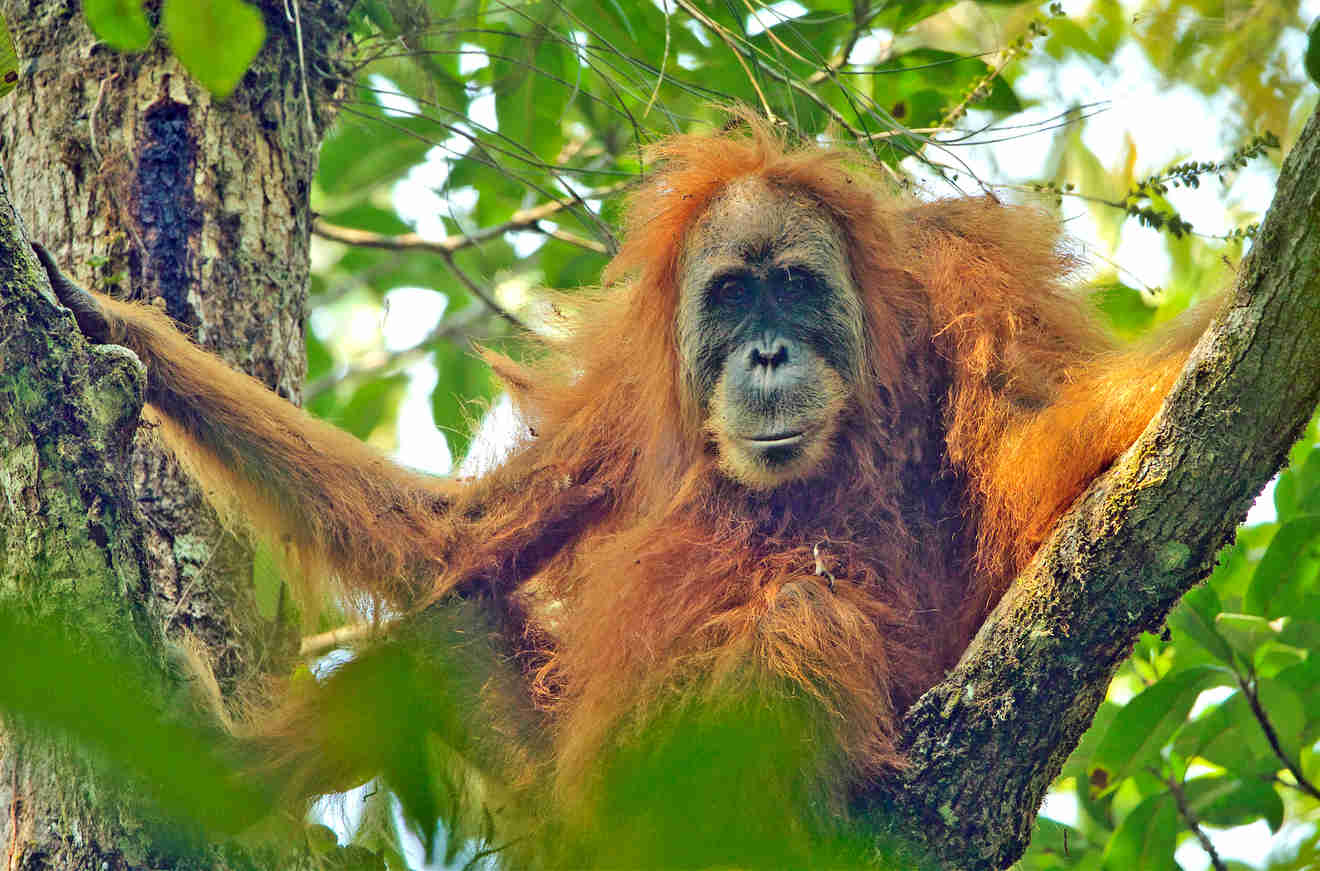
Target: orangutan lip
(778,440)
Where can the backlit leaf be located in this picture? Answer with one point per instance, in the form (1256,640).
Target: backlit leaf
(1142,727)
(120,24)
(8,61)
(216,40)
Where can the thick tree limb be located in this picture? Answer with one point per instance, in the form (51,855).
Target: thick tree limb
(985,743)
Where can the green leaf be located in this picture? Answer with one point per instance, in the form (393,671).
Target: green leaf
(1304,680)
(1284,709)
(319,358)
(368,150)
(105,695)
(1237,563)
(1125,306)
(370,217)
(1078,763)
(1195,618)
(1142,728)
(120,24)
(568,266)
(1271,593)
(216,40)
(1146,838)
(1233,801)
(1245,632)
(8,61)
(372,403)
(1297,489)
(457,402)
(1229,737)
(1272,657)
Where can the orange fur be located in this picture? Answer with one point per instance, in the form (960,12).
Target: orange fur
(627,573)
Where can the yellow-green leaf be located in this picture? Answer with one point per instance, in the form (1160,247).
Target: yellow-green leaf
(120,24)
(8,61)
(215,39)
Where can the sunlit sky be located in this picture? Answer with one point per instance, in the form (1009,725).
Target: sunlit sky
(1166,122)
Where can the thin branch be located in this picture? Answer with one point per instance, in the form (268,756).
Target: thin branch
(449,329)
(411,241)
(524,219)
(572,239)
(482,293)
(1193,824)
(727,38)
(1253,699)
(831,67)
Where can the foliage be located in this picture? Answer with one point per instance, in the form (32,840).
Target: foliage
(148,741)
(214,39)
(8,62)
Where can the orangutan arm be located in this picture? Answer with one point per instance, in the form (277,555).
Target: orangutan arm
(340,507)
(1043,399)
(1043,460)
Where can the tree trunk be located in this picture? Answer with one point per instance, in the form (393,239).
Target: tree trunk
(144,185)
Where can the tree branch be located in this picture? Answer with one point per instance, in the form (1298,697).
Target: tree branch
(1253,700)
(449,329)
(525,219)
(985,743)
(1192,823)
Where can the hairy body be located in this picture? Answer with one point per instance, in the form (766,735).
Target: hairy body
(797,447)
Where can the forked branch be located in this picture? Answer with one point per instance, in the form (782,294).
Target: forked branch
(985,743)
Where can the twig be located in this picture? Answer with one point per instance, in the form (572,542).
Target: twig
(448,329)
(491,851)
(1249,691)
(723,33)
(524,219)
(861,16)
(1193,825)
(296,20)
(481,293)
(572,239)
(411,241)
(664,61)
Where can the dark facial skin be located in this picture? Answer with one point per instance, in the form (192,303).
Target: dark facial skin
(769,330)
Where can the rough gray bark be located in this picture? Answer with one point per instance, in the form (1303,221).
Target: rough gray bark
(145,186)
(985,743)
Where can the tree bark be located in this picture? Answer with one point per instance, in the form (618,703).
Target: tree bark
(986,743)
(142,184)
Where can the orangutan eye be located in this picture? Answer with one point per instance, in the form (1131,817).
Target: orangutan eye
(729,290)
(795,282)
